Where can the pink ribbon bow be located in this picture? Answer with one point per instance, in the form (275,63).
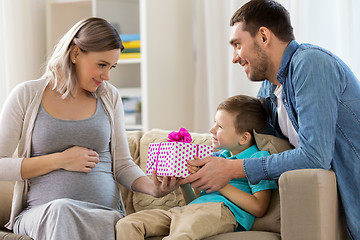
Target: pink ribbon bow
(182,136)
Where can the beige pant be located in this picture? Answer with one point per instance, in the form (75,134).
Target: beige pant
(194,221)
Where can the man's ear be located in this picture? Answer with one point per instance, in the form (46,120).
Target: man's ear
(245,138)
(265,35)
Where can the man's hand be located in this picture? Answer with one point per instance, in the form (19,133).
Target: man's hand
(215,173)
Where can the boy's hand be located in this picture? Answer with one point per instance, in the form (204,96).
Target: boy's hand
(193,169)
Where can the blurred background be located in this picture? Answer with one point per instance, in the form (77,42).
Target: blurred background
(184,70)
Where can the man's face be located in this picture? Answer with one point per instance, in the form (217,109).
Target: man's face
(248,53)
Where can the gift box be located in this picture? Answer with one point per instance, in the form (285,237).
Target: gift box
(170,158)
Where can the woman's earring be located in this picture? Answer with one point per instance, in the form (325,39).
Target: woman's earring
(74,61)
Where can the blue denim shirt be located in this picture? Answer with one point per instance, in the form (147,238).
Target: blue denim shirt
(322,98)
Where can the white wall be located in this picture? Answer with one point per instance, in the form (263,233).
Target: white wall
(22,42)
(168,64)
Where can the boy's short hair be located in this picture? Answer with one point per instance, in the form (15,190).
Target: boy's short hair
(250,113)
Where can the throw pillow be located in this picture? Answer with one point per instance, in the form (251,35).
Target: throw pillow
(271,220)
(271,143)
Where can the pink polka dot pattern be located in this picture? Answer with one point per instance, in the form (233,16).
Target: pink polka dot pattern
(170,158)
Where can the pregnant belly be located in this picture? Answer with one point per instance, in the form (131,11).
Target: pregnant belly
(96,187)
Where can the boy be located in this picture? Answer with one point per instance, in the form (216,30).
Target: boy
(233,207)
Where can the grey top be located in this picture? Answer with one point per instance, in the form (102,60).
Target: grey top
(52,135)
(17,120)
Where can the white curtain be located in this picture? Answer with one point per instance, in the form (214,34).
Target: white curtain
(22,42)
(216,77)
(332,24)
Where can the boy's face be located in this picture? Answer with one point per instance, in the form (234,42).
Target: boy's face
(224,133)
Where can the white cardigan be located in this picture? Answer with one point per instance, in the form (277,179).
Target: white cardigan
(17,120)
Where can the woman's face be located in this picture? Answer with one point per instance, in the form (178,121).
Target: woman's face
(92,68)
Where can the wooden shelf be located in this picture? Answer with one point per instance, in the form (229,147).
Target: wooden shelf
(129,61)
(133,127)
(130,92)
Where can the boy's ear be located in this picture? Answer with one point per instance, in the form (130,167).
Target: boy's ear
(245,138)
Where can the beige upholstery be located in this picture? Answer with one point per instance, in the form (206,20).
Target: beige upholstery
(306,199)
(316,211)
(6,191)
(271,144)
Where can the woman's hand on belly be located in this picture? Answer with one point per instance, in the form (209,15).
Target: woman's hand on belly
(78,159)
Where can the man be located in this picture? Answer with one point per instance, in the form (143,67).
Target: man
(314,100)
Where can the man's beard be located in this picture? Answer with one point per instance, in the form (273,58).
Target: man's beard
(260,65)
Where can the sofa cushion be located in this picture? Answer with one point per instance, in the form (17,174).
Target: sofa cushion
(133,138)
(253,235)
(271,143)
(5,235)
(271,220)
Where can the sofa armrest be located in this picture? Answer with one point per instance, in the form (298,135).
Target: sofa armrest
(6,192)
(309,205)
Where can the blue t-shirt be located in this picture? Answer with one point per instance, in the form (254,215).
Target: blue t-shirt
(244,218)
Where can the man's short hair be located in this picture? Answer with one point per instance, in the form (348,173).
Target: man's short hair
(265,13)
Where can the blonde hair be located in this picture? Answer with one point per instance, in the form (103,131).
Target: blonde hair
(90,35)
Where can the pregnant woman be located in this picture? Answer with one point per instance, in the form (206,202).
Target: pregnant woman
(63,140)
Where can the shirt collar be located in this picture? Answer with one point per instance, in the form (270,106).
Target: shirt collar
(284,65)
(244,154)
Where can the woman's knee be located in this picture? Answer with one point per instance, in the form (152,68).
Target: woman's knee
(59,207)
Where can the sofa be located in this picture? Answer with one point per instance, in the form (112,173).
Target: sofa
(305,206)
